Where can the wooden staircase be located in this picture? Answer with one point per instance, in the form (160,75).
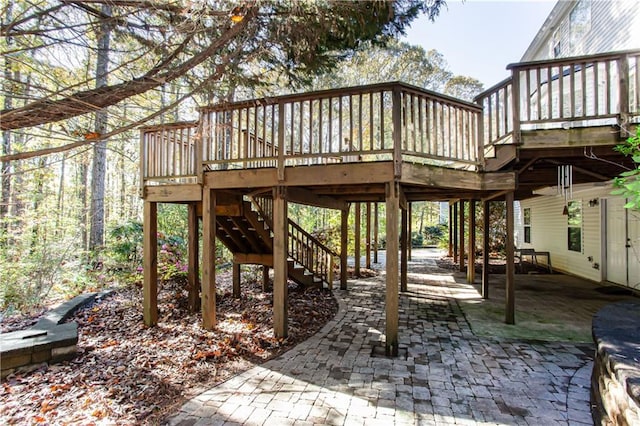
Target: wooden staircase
(244,227)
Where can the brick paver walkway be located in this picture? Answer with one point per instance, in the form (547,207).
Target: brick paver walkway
(447,376)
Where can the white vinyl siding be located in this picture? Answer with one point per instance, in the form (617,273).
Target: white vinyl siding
(549,232)
(615,25)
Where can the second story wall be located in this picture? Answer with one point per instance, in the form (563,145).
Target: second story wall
(585,27)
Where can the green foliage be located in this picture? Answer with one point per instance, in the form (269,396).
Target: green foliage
(416,239)
(436,234)
(125,243)
(628,183)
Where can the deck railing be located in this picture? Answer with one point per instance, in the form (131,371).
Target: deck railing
(572,92)
(169,152)
(396,121)
(369,123)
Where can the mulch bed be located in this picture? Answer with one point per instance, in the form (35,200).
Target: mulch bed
(126,373)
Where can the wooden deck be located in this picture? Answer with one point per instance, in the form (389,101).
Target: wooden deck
(391,143)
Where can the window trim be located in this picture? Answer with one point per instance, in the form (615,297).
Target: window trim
(573,207)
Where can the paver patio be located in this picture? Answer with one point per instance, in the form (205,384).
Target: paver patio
(447,375)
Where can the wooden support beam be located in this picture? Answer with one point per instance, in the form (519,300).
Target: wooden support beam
(510,316)
(208,289)
(344,243)
(452,219)
(485,249)
(461,236)
(409,230)
(368,237)
(193,266)
(391,298)
(280,267)
(150,263)
(236,280)
(265,277)
(404,238)
(455,232)
(253,259)
(357,234)
(375,232)
(471,264)
(179,193)
(306,197)
(494,195)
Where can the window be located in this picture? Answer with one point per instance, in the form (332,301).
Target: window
(574,222)
(579,25)
(527,226)
(555,44)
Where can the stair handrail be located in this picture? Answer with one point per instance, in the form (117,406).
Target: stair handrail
(302,247)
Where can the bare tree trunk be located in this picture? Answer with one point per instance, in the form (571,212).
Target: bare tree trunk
(82,196)
(6,135)
(60,202)
(98,173)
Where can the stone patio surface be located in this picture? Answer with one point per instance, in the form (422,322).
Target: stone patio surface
(447,375)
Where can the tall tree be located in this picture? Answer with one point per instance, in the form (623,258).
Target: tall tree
(214,42)
(98,173)
(6,134)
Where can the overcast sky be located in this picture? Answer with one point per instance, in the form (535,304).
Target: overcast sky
(480,38)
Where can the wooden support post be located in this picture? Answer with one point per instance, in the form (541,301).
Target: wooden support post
(208,289)
(375,233)
(368,238)
(403,250)
(409,231)
(150,263)
(461,237)
(471,264)
(391,298)
(510,314)
(280,295)
(455,232)
(193,267)
(357,234)
(265,277)
(344,243)
(451,233)
(236,280)
(485,249)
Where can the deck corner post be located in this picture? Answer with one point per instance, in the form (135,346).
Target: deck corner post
(280,165)
(193,247)
(391,297)
(397,131)
(344,243)
(510,249)
(208,289)
(515,104)
(485,248)
(471,263)
(150,265)
(280,265)
(623,87)
(198,149)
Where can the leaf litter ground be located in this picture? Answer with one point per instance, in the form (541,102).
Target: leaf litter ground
(126,373)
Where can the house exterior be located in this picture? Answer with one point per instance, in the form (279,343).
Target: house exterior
(588,234)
